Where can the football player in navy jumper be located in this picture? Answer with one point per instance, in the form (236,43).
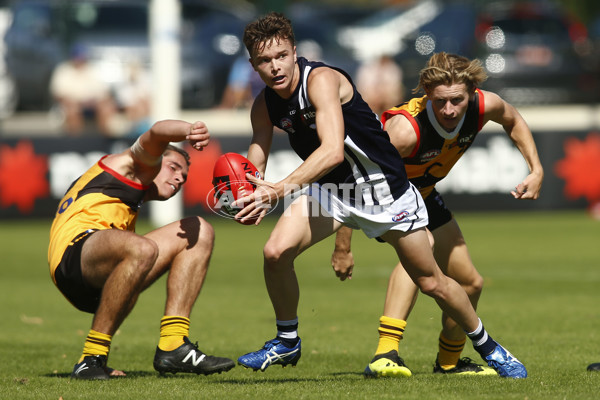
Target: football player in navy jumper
(351,175)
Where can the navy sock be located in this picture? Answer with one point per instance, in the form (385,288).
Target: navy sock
(287,332)
(482,342)
(289,342)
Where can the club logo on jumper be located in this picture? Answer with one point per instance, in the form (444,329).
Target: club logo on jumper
(430,155)
(286,125)
(400,216)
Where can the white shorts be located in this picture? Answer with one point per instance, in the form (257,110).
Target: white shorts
(405,214)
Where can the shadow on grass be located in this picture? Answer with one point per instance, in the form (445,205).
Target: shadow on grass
(130,374)
(336,374)
(254,379)
(263,381)
(224,379)
(251,379)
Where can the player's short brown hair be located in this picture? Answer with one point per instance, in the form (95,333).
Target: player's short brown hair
(271,27)
(447,69)
(171,148)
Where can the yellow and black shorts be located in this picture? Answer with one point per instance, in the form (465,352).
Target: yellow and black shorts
(69,278)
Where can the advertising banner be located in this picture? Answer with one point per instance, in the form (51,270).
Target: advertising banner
(35,173)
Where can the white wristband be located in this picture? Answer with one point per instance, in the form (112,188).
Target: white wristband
(142,155)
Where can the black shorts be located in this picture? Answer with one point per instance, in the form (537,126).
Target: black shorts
(69,279)
(437,211)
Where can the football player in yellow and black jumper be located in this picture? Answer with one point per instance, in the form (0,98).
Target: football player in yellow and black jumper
(431,133)
(101,265)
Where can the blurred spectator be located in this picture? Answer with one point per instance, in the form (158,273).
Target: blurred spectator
(243,84)
(80,93)
(133,97)
(379,81)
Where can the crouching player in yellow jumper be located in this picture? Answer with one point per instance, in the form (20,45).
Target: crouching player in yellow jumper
(101,265)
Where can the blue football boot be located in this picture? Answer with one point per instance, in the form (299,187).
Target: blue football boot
(273,352)
(505,363)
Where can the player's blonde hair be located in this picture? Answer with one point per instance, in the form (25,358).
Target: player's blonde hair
(272,27)
(447,69)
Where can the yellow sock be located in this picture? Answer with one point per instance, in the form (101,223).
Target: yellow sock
(449,351)
(96,344)
(390,334)
(172,331)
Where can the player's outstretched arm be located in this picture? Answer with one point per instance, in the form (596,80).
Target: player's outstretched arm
(142,161)
(158,137)
(516,128)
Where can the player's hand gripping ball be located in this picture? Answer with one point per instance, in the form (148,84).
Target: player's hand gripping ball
(230,183)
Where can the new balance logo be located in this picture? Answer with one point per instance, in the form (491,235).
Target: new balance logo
(193,355)
(82,367)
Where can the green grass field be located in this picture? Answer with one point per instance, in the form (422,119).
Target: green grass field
(541,300)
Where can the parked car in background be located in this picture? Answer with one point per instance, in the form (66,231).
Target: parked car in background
(34,46)
(410,33)
(532,50)
(115,34)
(316,29)
(211,40)
(529,50)
(384,31)
(8,90)
(592,50)
(451,30)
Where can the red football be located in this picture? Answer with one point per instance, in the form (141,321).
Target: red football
(230,183)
